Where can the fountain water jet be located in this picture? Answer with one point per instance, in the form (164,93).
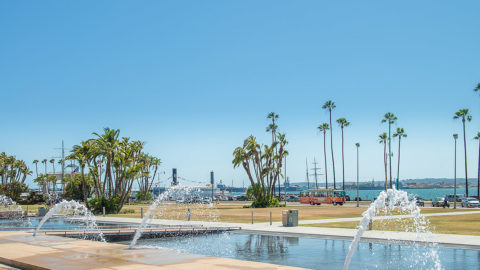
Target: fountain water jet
(388,201)
(175,191)
(77,208)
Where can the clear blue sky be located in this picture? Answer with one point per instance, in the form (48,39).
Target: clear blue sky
(194,78)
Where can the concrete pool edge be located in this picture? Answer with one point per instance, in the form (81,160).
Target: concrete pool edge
(20,249)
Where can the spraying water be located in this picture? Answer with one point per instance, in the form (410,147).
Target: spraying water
(12,210)
(77,208)
(176,192)
(397,200)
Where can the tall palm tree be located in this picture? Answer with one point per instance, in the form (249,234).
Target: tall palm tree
(106,144)
(46,188)
(400,133)
(330,105)
(390,118)
(273,128)
(477,89)
(478,177)
(383,139)
(36,166)
(464,115)
(323,128)
(343,123)
(54,182)
(81,154)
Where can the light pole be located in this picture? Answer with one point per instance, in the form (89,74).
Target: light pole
(455,137)
(357,145)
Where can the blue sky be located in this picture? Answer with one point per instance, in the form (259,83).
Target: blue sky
(194,78)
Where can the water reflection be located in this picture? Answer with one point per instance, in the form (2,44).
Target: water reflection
(316,253)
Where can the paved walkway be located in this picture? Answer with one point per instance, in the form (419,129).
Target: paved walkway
(21,250)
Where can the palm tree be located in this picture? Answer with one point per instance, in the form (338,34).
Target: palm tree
(330,105)
(36,166)
(400,133)
(464,115)
(81,154)
(477,89)
(273,128)
(478,177)
(44,161)
(383,139)
(107,143)
(343,123)
(323,128)
(54,181)
(390,118)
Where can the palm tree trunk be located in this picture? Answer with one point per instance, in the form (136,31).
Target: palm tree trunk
(385,163)
(465,148)
(331,147)
(390,152)
(84,185)
(343,165)
(325,158)
(478,177)
(398,166)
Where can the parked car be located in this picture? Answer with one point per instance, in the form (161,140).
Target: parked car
(470,202)
(440,202)
(242,198)
(459,198)
(420,201)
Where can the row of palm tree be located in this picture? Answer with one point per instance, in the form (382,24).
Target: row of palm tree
(465,116)
(342,123)
(385,138)
(12,169)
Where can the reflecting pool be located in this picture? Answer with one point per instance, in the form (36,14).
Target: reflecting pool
(316,253)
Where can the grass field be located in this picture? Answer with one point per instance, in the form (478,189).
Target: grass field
(236,212)
(458,224)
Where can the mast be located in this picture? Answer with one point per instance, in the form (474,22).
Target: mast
(308,180)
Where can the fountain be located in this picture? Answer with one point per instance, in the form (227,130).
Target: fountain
(181,192)
(396,200)
(12,210)
(77,208)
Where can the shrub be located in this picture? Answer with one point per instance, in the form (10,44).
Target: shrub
(111,206)
(143,196)
(127,211)
(13,190)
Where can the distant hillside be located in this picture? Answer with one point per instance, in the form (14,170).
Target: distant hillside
(418,181)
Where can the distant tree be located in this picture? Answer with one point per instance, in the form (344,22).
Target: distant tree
(477,89)
(389,118)
(330,105)
(383,140)
(36,166)
(323,128)
(400,133)
(343,123)
(465,116)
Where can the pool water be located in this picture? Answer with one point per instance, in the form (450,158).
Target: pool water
(316,253)
(51,224)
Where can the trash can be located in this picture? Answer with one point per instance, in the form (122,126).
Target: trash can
(290,218)
(42,211)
